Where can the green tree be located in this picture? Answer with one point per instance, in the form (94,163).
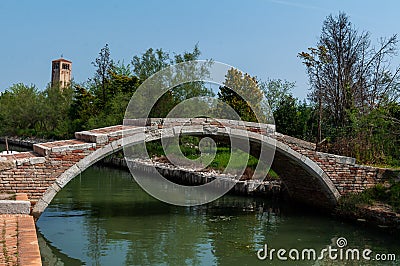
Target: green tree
(21,110)
(153,61)
(294,118)
(246,86)
(354,87)
(82,108)
(57,103)
(104,65)
(347,73)
(150,62)
(277,90)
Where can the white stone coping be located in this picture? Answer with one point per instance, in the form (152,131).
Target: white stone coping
(101,138)
(44,150)
(158,121)
(15,207)
(30,160)
(338,158)
(19,161)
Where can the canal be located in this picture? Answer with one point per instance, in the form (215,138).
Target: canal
(102,217)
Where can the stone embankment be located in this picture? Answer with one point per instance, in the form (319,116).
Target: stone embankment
(18,232)
(22,142)
(187,176)
(377,215)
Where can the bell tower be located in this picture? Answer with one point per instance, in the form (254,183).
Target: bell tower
(61,70)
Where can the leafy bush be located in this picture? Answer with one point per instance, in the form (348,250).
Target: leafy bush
(388,193)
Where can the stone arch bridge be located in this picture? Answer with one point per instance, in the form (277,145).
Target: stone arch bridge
(310,176)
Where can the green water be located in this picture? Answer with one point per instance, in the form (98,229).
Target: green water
(103,218)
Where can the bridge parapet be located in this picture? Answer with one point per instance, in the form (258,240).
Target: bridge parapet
(159,123)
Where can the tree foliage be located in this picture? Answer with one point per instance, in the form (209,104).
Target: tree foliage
(276,91)
(24,110)
(355,86)
(55,109)
(153,61)
(295,119)
(104,65)
(236,85)
(101,101)
(346,72)
(20,108)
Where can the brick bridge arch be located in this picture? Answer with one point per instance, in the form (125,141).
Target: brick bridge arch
(311,177)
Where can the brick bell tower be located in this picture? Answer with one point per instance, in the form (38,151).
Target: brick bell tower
(61,70)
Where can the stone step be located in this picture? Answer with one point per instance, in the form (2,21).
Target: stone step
(15,207)
(45,149)
(107,134)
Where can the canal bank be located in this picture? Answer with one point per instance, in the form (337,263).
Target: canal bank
(18,232)
(271,189)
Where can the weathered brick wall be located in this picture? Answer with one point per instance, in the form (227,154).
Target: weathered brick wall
(347,176)
(33,175)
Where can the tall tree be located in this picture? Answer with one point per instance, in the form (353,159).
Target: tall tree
(82,108)
(355,87)
(57,103)
(294,118)
(122,80)
(104,65)
(347,73)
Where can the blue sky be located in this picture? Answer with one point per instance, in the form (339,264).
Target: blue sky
(260,37)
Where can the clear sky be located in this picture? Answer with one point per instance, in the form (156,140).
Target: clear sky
(260,37)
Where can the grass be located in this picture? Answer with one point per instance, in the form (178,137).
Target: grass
(223,156)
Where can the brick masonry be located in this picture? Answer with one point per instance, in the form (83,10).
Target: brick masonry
(310,176)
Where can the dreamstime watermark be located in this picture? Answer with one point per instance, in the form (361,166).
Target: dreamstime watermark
(338,252)
(178,122)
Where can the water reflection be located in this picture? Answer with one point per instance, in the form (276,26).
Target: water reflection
(103,218)
(53,256)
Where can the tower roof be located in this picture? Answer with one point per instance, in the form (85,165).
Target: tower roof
(61,60)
